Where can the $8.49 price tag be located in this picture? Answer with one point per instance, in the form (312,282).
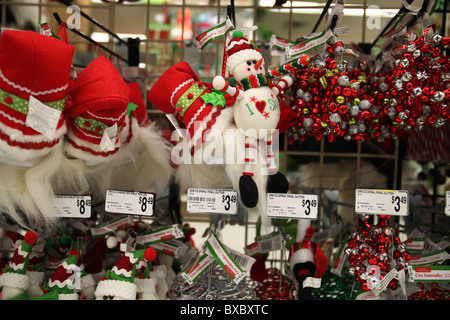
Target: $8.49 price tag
(212,201)
(67,206)
(130,202)
(382,202)
(292,206)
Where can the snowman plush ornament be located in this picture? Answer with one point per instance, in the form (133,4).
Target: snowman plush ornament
(256,112)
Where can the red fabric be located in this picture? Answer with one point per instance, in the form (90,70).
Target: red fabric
(100,94)
(32,63)
(175,80)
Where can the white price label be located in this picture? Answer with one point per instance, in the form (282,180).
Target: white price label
(130,202)
(67,206)
(381,202)
(212,201)
(292,206)
(447,203)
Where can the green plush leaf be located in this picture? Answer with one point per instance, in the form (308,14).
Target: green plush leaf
(215,98)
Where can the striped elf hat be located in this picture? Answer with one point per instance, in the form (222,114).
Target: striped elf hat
(120,282)
(32,67)
(64,279)
(97,112)
(16,274)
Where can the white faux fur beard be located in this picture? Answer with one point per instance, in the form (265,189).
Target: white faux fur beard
(26,193)
(142,164)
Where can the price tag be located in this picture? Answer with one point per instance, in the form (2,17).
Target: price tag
(447,203)
(67,206)
(292,206)
(130,202)
(212,201)
(385,202)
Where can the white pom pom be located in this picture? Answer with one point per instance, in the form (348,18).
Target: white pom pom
(111,242)
(219,82)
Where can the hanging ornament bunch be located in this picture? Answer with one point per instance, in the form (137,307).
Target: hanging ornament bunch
(275,287)
(373,251)
(333,99)
(419,83)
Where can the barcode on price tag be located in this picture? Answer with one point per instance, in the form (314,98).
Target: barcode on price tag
(67,206)
(382,202)
(130,202)
(447,203)
(212,201)
(292,206)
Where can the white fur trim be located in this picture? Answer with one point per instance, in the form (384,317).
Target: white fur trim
(15,280)
(242,56)
(89,158)
(117,288)
(25,157)
(34,93)
(68,296)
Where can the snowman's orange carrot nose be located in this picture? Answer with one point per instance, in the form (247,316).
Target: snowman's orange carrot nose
(258,64)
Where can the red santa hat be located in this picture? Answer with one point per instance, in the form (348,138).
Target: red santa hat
(97,112)
(240,49)
(38,66)
(196,107)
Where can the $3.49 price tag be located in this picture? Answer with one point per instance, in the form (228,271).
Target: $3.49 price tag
(67,206)
(292,206)
(212,201)
(381,202)
(130,202)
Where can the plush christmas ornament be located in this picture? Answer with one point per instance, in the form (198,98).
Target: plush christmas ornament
(15,280)
(95,116)
(256,110)
(146,285)
(34,81)
(65,279)
(306,259)
(119,283)
(98,108)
